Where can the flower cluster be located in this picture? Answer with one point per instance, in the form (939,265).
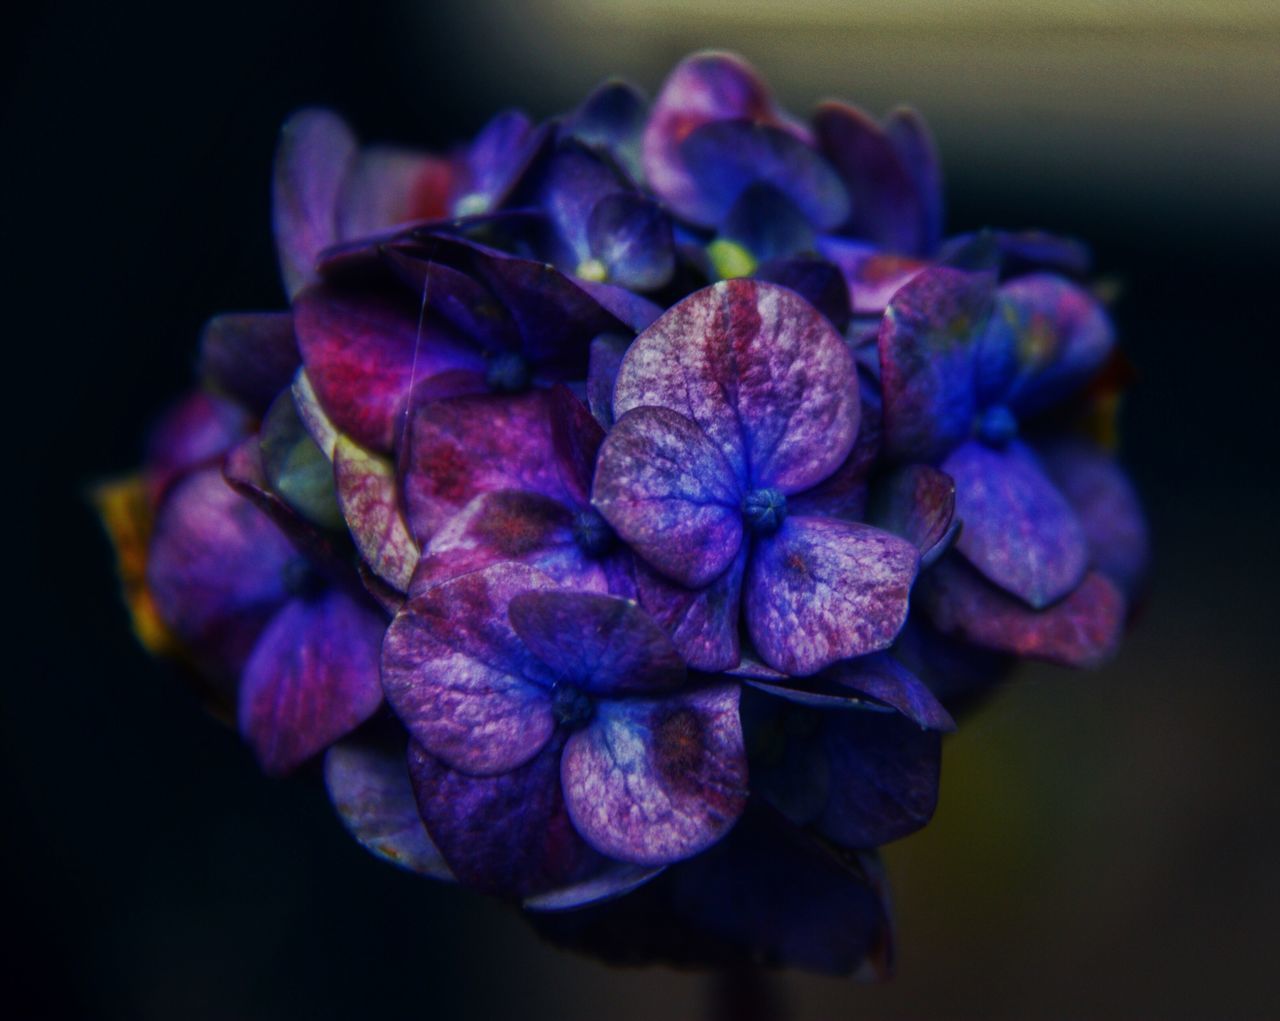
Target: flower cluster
(623,500)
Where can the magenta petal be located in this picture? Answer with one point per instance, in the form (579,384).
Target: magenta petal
(1108,508)
(822,590)
(461,680)
(760,370)
(508,834)
(887,208)
(652,782)
(364,349)
(388,187)
(315,154)
(1015,526)
(216,568)
(312,678)
(466,446)
(928,349)
(369,786)
(670,495)
(249,356)
(872,276)
(705,87)
(366,485)
(509,526)
(703,623)
(1082,630)
(918,503)
(885,679)
(599,643)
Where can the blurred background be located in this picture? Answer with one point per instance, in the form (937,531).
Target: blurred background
(1105,843)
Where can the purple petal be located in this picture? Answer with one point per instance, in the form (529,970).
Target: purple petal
(767,224)
(760,370)
(509,834)
(883,678)
(216,568)
(630,235)
(817,695)
(315,154)
(387,187)
(249,356)
(494,164)
(573,184)
(613,881)
(821,590)
(364,348)
(612,120)
(312,678)
(918,504)
(461,680)
(928,343)
(652,782)
(887,209)
(319,425)
(369,786)
(510,526)
(607,352)
(466,446)
(599,643)
(724,158)
(703,623)
(873,277)
(817,281)
(1059,336)
(366,485)
(670,495)
(1107,507)
(911,138)
(1016,528)
(884,778)
(576,437)
(1082,630)
(194,433)
(705,87)
(630,310)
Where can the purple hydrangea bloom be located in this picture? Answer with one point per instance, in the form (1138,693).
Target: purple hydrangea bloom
(732,409)
(563,706)
(626,504)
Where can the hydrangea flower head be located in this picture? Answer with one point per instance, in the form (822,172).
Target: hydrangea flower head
(626,505)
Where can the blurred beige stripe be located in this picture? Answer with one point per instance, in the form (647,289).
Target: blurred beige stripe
(1177,100)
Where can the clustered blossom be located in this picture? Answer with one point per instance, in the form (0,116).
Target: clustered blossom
(624,501)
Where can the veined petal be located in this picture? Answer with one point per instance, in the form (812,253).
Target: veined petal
(368,783)
(821,590)
(599,643)
(366,486)
(703,622)
(652,782)
(928,348)
(1081,630)
(461,680)
(312,679)
(760,370)
(669,493)
(885,679)
(1016,528)
(507,834)
(917,503)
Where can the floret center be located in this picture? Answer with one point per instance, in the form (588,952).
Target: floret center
(997,426)
(572,707)
(508,373)
(764,510)
(592,533)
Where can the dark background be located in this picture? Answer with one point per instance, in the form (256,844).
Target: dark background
(1106,843)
